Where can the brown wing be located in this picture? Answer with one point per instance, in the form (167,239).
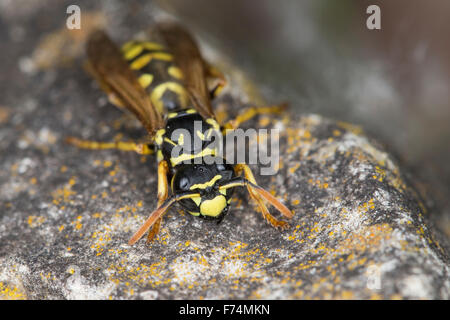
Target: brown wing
(188,58)
(116,77)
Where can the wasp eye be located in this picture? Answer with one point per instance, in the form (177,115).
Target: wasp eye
(184,183)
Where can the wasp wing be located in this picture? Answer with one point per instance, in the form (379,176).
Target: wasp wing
(188,58)
(113,73)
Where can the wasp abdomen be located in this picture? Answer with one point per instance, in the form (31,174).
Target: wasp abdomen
(157,74)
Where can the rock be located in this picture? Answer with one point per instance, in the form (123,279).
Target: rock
(360,229)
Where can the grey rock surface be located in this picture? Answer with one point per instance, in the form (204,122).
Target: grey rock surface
(360,230)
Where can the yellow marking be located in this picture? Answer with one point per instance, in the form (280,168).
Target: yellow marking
(194,213)
(183,157)
(197,200)
(171,182)
(200,135)
(159,156)
(214,206)
(145,80)
(181,139)
(143,60)
(217,90)
(159,91)
(133,52)
(210,183)
(191,111)
(152,46)
(127,45)
(172,115)
(175,72)
(169,141)
(159,136)
(223,191)
(164,56)
(208,133)
(213,123)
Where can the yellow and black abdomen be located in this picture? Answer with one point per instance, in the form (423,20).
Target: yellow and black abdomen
(187,136)
(157,74)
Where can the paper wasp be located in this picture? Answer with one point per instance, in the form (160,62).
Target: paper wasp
(170,78)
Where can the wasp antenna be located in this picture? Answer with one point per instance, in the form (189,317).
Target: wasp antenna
(151,220)
(155,215)
(272,200)
(241,182)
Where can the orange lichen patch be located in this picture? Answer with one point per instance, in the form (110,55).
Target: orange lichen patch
(345,295)
(101,237)
(65,193)
(35,221)
(380,174)
(294,168)
(9,292)
(297,139)
(368,239)
(63,169)
(107,163)
(72,181)
(366,206)
(77,223)
(297,234)
(397,182)
(318,183)
(152,275)
(98,215)
(64,45)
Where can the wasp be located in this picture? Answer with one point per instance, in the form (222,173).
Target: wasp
(166,84)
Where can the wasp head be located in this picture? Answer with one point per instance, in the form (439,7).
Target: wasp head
(205,179)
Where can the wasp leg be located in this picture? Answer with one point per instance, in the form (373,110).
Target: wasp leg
(163,192)
(140,148)
(239,168)
(252,112)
